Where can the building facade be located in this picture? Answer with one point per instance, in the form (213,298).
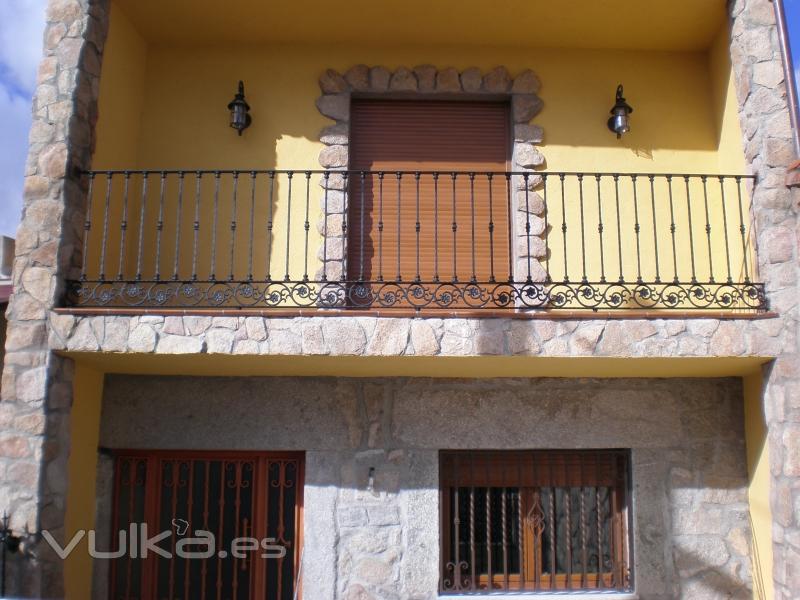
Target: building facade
(425,327)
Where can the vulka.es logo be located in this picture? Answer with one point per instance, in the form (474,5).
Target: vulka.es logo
(136,543)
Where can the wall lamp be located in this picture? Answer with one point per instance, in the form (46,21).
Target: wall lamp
(620,121)
(240,117)
(9,544)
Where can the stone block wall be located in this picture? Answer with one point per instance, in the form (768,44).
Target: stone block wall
(691,532)
(36,384)
(769,151)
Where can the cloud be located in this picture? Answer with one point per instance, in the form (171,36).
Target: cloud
(21,29)
(15,121)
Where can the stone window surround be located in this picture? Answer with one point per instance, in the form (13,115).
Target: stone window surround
(428,82)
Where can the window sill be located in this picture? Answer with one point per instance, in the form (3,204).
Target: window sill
(568,595)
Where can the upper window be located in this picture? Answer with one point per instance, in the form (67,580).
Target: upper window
(535,521)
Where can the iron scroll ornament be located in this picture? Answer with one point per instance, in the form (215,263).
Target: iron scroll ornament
(418,295)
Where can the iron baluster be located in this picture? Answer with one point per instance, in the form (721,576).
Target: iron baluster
(584,279)
(436,227)
(655,225)
(123,227)
(529,279)
(725,229)
(704,179)
(619,230)
(87,226)
(345,204)
(160,225)
(417,226)
(269,222)
(546,209)
(140,248)
(510,230)
(672,230)
(380,225)
(691,228)
(362,228)
(455,230)
(562,176)
(289,176)
(102,265)
(637,229)
(399,176)
(215,217)
(196,223)
(491,230)
(178,217)
(600,231)
(252,223)
(233,224)
(743,231)
(306,226)
(474,278)
(325,233)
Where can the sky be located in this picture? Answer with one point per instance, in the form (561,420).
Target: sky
(21,28)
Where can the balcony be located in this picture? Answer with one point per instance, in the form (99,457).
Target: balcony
(419,241)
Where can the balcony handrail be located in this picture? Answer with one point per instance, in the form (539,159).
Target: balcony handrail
(547,173)
(418,239)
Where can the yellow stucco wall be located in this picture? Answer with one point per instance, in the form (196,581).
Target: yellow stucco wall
(82,469)
(758,492)
(164,107)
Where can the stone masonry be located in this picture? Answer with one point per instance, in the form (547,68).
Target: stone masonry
(689,497)
(34,426)
(426,81)
(34,413)
(764,117)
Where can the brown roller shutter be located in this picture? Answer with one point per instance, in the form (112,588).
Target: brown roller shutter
(428,135)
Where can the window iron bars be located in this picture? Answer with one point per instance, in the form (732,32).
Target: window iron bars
(535,521)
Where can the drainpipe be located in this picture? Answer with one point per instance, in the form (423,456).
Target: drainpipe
(788,69)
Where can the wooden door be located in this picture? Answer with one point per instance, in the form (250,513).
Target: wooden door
(424,208)
(249,503)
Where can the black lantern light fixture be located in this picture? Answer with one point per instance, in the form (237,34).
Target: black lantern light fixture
(620,121)
(240,117)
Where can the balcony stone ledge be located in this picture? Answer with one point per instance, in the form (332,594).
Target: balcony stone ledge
(387,336)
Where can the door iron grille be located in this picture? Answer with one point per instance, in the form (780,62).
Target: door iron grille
(253,498)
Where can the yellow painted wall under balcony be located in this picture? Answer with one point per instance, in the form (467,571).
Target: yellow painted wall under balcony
(164,107)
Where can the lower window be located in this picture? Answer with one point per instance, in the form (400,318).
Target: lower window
(535,521)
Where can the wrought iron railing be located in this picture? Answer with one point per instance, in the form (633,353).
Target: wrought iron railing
(417,240)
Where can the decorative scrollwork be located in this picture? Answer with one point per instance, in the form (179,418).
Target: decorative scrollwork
(419,295)
(457,581)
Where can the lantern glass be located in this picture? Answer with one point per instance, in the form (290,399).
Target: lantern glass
(621,122)
(237,116)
